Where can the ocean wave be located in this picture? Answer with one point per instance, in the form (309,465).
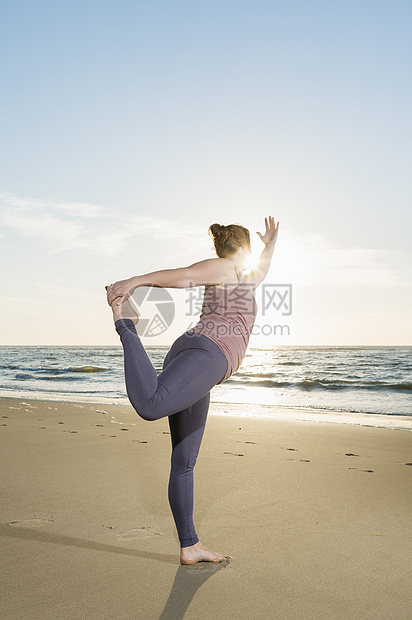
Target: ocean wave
(317,384)
(86,369)
(55,371)
(378,381)
(249,376)
(343,384)
(269,383)
(290,363)
(29,377)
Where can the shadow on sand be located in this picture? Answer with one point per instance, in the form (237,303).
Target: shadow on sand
(188,579)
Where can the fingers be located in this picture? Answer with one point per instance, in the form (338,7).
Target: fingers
(110,296)
(271,223)
(112,299)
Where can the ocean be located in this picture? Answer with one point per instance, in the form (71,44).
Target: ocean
(370,382)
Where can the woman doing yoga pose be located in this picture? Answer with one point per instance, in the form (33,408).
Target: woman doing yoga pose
(202,357)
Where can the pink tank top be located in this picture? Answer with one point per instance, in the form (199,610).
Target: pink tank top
(227,318)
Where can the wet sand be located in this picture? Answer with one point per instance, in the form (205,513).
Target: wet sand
(316,518)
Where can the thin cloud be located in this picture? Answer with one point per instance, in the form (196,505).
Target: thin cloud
(311,259)
(307,260)
(76,209)
(93,228)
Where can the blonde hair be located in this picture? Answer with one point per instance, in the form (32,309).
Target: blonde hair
(228,239)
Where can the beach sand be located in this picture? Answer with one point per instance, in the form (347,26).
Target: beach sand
(316,518)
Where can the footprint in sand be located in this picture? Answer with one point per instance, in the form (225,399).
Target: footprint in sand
(138,533)
(234,453)
(35,522)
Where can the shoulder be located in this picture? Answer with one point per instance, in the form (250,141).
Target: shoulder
(228,270)
(212,271)
(225,268)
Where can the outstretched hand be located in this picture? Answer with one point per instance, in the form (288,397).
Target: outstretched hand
(271,232)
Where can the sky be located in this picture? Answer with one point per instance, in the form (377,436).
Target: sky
(127,128)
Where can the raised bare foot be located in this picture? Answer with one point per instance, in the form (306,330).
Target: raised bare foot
(124,311)
(198,553)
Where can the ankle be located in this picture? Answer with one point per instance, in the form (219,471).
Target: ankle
(124,325)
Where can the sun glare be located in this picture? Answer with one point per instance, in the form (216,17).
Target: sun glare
(251,262)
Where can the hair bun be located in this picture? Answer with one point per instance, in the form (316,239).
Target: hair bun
(220,232)
(228,239)
(214,229)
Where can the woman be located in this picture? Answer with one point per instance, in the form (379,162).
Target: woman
(200,358)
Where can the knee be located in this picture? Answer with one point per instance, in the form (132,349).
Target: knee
(149,410)
(145,414)
(183,462)
(145,417)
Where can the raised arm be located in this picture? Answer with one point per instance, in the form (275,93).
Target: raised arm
(259,273)
(206,272)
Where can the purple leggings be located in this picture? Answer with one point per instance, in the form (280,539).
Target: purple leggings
(192,366)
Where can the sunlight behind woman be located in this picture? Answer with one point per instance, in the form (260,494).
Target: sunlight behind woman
(251,262)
